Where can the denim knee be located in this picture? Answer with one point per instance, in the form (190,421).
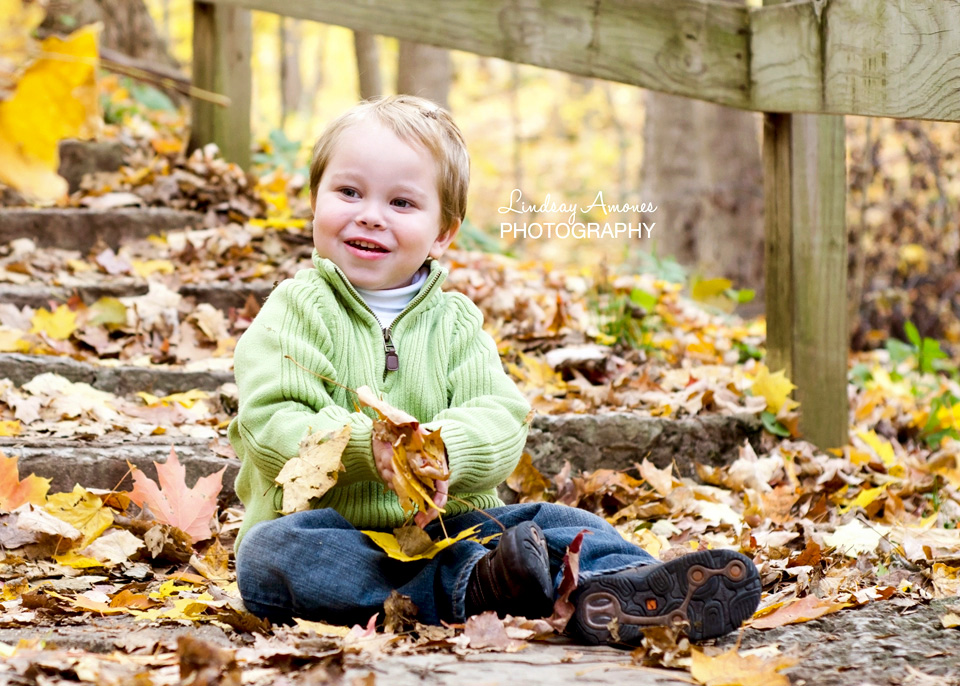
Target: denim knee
(565,515)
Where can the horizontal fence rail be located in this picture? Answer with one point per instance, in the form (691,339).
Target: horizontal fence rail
(890,58)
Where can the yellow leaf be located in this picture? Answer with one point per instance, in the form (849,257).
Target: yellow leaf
(390,545)
(108,311)
(732,669)
(774,388)
(880,446)
(709,288)
(10,427)
(17,23)
(76,560)
(59,324)
(168,588)
(187,399)
(11,341)
(865,497)
(83,510)
(55,98)
(949,417)
(145,268)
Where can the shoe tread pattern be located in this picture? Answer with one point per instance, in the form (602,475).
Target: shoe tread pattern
(717,606)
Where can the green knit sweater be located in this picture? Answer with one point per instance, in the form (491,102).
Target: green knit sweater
(450,378)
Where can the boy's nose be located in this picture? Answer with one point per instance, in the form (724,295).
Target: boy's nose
(370,217)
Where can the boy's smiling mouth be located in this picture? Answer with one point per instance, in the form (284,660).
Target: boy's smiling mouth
(366,246)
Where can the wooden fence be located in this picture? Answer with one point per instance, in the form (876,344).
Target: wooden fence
(804,64)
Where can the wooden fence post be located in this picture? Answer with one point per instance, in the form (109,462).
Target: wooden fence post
(806,262)
(222,52)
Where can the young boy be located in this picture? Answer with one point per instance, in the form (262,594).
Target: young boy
(388,187)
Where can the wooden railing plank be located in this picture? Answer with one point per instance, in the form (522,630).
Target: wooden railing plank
(889,58)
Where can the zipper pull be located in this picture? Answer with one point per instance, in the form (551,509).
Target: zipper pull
(393,360)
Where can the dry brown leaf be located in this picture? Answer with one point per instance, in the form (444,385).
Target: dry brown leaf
(803,610)
(315,470)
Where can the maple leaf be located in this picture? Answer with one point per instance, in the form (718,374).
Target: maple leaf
(82,509)
(775,388)
(188,509)
(314,471)
(59,324)
(13,491)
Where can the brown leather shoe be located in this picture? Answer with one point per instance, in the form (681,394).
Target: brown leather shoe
(514,578)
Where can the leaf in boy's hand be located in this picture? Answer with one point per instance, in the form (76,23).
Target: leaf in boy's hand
(386,410)
(412,539)
(315,471)
(419,458)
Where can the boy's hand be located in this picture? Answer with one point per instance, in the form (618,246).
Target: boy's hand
(421,519)
(383,458)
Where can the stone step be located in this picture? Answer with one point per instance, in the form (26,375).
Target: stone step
(223,295)
(119,380)
(79,229)
(588,442)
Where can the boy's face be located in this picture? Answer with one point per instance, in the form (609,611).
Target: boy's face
(380,190)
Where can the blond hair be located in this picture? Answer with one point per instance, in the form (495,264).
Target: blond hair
(413,120)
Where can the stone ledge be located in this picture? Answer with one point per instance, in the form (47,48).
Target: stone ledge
(79,229)
(589,442)
(103,463)
(120,380)
(222,296)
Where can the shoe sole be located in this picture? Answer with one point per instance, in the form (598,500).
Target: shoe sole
(712,592)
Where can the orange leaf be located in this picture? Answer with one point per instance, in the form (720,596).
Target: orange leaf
(803,610)
(13,492)
(188,509)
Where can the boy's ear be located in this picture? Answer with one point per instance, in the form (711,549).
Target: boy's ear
(441,244)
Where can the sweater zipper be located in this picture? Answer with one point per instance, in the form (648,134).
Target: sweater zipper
(392,359)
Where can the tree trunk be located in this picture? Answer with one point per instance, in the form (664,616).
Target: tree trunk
(425,71)
(291,80)
(702,168)
(368,64)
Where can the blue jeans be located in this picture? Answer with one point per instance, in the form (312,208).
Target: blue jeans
(317,566)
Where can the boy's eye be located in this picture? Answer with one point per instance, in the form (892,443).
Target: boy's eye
(349,192)
(402,203)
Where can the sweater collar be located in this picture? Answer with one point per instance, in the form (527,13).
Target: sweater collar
(341,284)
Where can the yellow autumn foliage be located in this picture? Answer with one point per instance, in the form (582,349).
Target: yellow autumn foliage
(51,98)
